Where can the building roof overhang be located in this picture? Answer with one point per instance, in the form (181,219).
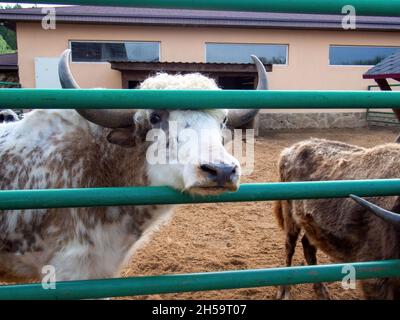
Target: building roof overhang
(388,68)
(9,62)
(149,16)
(184,67)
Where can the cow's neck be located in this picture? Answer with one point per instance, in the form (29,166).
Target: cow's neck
(120,166)
(126,167)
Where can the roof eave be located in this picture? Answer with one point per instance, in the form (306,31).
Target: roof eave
(186,66)
(382,76)
(8,68)
(299,25)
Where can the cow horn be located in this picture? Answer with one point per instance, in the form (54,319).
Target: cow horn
(120,118)
(386,215)
(240,117)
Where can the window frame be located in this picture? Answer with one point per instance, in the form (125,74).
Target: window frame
(358,45)
(287,45)
(110,41)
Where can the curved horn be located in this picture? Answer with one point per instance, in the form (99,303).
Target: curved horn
(386,215)
(262,74)
(64,72)
(240,117)
(120,118)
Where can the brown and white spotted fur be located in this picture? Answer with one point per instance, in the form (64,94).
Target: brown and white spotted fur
(341,228)
(60,149)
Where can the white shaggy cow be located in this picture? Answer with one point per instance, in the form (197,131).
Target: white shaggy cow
(103,148)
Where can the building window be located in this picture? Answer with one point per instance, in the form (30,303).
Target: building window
(358,55)
(240,53)
(124,51)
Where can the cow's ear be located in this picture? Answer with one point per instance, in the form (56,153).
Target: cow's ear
(123,137)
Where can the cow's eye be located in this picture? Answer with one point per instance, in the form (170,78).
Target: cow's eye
(155,118)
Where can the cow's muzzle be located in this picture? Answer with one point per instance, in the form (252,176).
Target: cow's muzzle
(220,174)
(216,178)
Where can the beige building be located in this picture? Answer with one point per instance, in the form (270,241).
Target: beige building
(117,47)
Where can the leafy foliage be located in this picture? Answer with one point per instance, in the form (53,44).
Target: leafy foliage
(4,47)
(15,6)
(8,38)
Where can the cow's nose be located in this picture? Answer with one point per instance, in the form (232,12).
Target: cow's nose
(221,173)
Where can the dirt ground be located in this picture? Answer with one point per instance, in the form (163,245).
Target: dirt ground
(217,237)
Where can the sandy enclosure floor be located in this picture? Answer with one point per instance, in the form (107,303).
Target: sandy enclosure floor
(217,237)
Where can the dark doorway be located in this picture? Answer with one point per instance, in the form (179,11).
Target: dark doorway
(236,83)
(132,84)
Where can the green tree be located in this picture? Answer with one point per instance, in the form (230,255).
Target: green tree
(4,47)
(15,6)
(7,34)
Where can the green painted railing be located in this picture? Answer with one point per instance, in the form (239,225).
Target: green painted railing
(25,199)
(363,7)
(11,84)
(380,118)
(196,99)
(370,87)
(91,289)
(96,197)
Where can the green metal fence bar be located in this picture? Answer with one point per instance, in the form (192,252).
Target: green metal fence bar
(13,84)
(363,7)
(155,99)
(195,99)
(376,86)
(97,197)
(91,289)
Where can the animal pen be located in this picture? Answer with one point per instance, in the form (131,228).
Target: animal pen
(120,99)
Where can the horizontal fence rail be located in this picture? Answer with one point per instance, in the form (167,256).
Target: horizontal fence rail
(11,84)
(150,99)
(196,99)
(92,289)
(363,7)
(97,197)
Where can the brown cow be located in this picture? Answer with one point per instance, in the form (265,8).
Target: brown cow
(341,228)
